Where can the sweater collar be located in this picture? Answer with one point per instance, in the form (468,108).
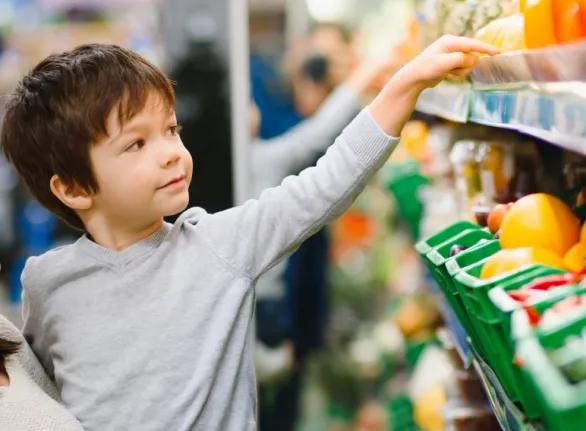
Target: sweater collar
(129,254)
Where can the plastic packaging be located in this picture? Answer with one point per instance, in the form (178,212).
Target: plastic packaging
(466,174)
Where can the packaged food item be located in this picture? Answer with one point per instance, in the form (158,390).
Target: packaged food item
(485,12)
(439,141)
(471,418)
(466,388)
(459,18)
(496,162)
(524,177)
(466,175)
(414,139)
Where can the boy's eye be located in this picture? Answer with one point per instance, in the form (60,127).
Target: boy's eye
(135,146)
(175,130)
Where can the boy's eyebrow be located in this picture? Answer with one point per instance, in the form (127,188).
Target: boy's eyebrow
(131,127)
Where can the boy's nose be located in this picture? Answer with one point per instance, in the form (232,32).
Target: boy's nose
(170,156)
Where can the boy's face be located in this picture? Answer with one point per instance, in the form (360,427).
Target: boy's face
(142,168)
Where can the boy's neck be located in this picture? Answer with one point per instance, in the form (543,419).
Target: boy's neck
(120,237)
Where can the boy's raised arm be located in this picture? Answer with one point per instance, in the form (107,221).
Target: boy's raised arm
(257,235)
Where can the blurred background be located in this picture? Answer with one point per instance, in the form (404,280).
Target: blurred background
(348,337)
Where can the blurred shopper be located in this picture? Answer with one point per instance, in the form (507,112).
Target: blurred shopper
(280,315)
(28,399)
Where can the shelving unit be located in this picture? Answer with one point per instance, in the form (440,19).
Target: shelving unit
(541,94)
(508,414)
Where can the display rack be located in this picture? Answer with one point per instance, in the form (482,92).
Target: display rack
(508,414)
(541,93)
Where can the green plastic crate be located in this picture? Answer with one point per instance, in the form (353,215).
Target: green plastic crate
(423,247)
(484,248)
(470,257)
(505,305)
(483,315)
(438,258)
(497,328)
(563,403)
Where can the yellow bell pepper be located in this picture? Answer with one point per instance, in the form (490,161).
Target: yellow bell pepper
(506,33)
(539,24)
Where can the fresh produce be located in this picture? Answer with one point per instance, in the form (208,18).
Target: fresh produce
(583,234)
(550,281)
(496,216)
(568,20)
(575,258)
(571,358)
(507,34)
(457,249)
(542,221)
(525,295)
(428,409)
(560,310)
(505,260)
(539,24)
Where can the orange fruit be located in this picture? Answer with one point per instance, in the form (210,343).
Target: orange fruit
(575,258)
(583,234)
(540,220)
(504,261)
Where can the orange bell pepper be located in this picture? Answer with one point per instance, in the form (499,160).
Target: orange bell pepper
(582,4)
(567,20)
(539,24)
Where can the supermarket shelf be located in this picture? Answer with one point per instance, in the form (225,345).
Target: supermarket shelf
(554,112)
(541,93)
(507,413)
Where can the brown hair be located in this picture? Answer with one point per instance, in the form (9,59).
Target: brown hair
(60,108)
(7,348)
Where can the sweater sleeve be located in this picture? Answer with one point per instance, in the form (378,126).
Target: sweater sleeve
(274,159)
(32,329)
(256,236)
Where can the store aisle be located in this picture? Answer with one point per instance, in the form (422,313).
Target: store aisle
(11,312)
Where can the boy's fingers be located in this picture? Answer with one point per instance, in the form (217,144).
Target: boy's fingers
(455,61)
(464,44)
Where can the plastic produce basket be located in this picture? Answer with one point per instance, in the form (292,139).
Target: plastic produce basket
(505,305)
(439,256)
(496,327)
(563,403)
(460,262)
(474,292)
(423,247)
(484,248)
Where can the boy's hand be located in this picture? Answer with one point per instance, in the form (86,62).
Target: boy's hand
(448,55)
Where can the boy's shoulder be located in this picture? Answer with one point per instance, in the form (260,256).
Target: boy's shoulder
(43,269)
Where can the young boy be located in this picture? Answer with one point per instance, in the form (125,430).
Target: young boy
(145,325)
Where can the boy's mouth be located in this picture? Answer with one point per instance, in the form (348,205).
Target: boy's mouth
(178,181)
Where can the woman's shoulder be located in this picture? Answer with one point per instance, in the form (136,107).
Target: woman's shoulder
(25,406)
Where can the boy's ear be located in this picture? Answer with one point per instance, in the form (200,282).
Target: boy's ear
(72,196)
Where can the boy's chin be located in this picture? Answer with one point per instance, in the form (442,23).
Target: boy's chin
(176,209)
